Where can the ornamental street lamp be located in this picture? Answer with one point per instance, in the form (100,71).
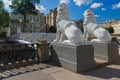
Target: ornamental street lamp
(19,28)
(32,21)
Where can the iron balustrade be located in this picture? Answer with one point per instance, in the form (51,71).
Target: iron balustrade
(17,54)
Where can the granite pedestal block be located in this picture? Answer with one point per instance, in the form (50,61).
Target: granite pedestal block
(106,51)
(75,58)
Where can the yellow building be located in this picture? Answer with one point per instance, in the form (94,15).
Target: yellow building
(51,18)
(114,23)
(116,28)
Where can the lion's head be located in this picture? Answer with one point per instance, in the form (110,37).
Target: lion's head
(89,17)
(62,12)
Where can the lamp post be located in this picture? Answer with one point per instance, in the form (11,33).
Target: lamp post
(32,21)
(8,32)
(19,28)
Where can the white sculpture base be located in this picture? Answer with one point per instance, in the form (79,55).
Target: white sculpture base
(106,51)
(77,58)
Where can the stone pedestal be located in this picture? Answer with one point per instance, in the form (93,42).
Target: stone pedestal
(75,58)
(43,50)
(106,51)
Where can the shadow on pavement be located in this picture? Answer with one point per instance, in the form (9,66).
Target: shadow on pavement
(105,73)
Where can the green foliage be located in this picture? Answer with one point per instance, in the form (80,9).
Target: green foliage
(1,5)
(110,29)
(35,1)
(4,16)
(24,7)
(2,34)
(52,29)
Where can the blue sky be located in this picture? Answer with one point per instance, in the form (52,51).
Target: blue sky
(103,9)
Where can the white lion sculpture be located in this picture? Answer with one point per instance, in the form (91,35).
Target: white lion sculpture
(67,28)
(90,27)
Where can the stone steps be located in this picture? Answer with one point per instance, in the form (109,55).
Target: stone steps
(101,63)
(21,70)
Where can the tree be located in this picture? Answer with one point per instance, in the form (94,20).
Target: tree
(110,29)
(1,5)
(4,16)
(4,19)
(35,1)
(52,29)
(24,7)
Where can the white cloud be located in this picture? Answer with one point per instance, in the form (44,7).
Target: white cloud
(96,15)
(7,8)
(103,9)
(40,7)
(7,2)
(64,1)
(116,6)
(96,5)
(43,8)
(82,2)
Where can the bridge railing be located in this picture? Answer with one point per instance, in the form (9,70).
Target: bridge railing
(15,55)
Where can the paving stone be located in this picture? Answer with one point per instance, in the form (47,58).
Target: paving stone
(22,70)
(4,75)
(47,65)
(7,74)
(10,72)
(43,66)
(52,70)
(110,72)
(15,71)
(35,75)
(29,68)
(36,66)
(68,75)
